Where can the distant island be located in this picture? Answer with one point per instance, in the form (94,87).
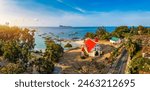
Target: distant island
(65,26)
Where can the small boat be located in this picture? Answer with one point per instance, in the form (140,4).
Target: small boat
(74,33)
(62,33)
(39,35)
(44,34)
(75,38)
(44,37)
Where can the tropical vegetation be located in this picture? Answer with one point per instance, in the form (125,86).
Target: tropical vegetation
(17,49)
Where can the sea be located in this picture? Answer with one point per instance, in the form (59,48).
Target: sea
(62,33)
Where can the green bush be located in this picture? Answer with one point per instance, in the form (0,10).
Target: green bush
(139,64)
(102,33)
(16,43)
(89,35)
(12,68)
(44,66)
(68,45)
(53,51)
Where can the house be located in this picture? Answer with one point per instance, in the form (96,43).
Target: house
(146,52)
(91,47)
(115,40)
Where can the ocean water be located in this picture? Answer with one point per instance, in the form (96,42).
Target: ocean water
(62,33)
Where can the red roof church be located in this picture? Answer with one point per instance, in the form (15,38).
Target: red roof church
(90,44)
(91,47)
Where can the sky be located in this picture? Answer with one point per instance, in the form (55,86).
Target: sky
(75,12)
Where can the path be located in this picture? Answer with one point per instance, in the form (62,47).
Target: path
(121,65)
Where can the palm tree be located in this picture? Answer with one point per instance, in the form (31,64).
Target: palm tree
(131,47)
(101,33)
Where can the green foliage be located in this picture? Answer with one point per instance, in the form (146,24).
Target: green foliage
(44,66)
(12,68)
(132,47)
(68,45)
(133,31)
(1,45)
(102,34)
(16,43)
(148,30)
(139,64)
(83,57)
(138,43)
(53,51)
(121,31)
(11,51)
(116,52)
(90,35)
(143,30)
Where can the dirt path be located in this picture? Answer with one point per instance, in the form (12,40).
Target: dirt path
(122,62)
(67,60)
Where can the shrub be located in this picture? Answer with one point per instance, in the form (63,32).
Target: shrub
(89,35)
(68,45)
(139,64)
(44,66)
(12,68)
(53,51)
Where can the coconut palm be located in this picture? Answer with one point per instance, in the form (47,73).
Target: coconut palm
(131,47)
(101,33)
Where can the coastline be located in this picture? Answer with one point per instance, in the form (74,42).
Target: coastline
(74,43)
(65,34)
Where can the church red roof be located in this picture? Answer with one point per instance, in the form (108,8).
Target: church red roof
(90,44)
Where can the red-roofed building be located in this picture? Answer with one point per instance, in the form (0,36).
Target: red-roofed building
(91,47)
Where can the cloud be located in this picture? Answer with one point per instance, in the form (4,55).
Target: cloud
(107,19)
(11,12)
(71,6)
(60,1)
(79,9)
